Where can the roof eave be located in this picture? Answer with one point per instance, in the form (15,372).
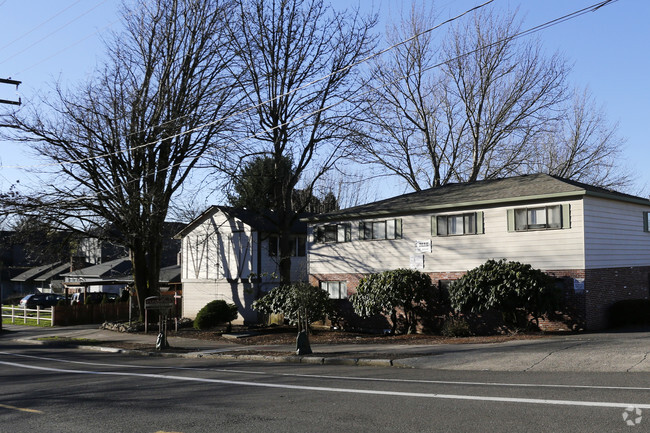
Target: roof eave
(421,209)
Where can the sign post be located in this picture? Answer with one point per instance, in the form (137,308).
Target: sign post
(163,306)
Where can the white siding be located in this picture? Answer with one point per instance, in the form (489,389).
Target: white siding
(216,249)
(544,249)
(217,255)
(197,293)
(614,235)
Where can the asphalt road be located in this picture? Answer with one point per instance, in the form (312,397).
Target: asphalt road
(60,390)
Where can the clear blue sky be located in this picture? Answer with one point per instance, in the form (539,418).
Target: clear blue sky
(608,49)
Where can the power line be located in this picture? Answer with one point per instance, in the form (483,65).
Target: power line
(39,25)
(531,30)
(54,31)
(304,86)
(45,59)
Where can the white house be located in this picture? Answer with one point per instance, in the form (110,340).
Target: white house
(232,254)
(597,239)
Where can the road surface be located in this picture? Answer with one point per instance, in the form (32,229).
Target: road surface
(62,390)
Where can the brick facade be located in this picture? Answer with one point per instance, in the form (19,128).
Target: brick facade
(584,307)
(605,286)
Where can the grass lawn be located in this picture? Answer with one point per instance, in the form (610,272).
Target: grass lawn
(31,319)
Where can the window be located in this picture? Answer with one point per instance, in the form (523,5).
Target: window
(388,229)
(274,247)
(301,242)
(336,289)
(538,218)
(333,233)
(646,221)
(457,224)
(298,246)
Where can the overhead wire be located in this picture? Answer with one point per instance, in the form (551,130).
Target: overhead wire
(39,25)
(77,42)
(58,29)
(528,31)
(265,102)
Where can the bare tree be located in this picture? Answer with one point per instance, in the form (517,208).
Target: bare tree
(411,118)
(477,115)
(124,143)
(583,146)
(297,60)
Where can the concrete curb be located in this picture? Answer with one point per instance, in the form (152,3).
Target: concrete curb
(292,359)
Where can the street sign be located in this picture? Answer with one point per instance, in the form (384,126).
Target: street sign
(158,303)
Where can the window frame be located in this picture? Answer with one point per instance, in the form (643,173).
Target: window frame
(342,233)
(342,288)
(554,218)
(373,230)
(298,246)
(472,224)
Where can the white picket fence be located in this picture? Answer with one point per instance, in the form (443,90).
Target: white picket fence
(22,314)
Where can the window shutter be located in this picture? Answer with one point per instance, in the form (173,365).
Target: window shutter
(646,221)
(341,232)
(566,216)
(479,223)
(390,229)
(511,220)
(362,230)
(398,228)
(434,226)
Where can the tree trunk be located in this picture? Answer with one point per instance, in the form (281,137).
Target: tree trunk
(145,260)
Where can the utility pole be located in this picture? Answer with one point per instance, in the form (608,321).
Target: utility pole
(14,83)
(7,102)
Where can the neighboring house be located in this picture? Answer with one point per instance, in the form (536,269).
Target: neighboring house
(44,279)
(109,277)
(597,239)
(93,251)
(232,254)
(114,276)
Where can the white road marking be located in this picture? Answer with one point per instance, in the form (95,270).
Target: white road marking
(342,390)
(352,378)
(19,409)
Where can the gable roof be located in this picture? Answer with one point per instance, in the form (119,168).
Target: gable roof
(32,273)
(255,220)
(53,273)
(479,193)
(114,269)
(170,274)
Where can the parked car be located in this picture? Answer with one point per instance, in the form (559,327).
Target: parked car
(93,298)
(44,300)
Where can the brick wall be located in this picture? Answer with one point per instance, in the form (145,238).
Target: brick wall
(605,286)
(586,309)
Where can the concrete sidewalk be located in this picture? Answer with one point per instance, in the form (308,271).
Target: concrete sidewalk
(597,352)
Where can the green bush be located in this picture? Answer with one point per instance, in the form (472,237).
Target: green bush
(300,303)
(630,312)
(389,292)
(512,288)
(215,313)
(456,327)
